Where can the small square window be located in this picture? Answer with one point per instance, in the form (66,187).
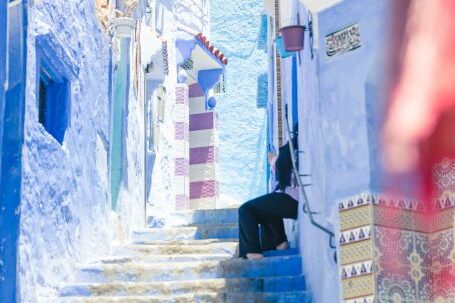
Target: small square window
(53,104)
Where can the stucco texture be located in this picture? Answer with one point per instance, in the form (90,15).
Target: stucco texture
(65,207)
(235,27)
(336,130)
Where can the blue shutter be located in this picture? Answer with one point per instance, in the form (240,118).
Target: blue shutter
(262,90)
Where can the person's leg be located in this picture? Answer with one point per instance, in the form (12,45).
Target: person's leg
(272,209)
(267,210)
(248,231)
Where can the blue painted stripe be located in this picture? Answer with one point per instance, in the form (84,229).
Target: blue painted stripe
(12,139)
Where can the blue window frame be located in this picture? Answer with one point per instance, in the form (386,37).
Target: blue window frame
(53,103)
(54,71)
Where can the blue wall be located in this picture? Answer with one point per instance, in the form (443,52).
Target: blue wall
(242,126)
(12,124)
(339,115)
(64,205)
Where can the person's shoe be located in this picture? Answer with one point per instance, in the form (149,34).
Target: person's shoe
(254,256)
(283,246)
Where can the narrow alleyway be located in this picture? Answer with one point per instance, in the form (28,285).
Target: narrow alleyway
(191,262)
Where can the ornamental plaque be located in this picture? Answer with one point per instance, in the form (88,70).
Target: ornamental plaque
(342,41)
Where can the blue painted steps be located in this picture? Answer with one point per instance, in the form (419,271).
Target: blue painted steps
(205,297)
(193,260)
(258,284)
(169,271)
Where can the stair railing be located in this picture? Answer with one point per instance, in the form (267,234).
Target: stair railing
(306,204)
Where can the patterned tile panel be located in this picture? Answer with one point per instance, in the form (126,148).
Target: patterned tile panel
(443,220)
(395,287)
(358,287)
(356,217)
(357,269)
(356,252)
(412,250)
(356,201)
(394,218)
(367,299)
(442,249)
(367,198)
(354,235)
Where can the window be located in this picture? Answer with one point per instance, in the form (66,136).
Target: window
(262,91)
(188,64)
(220,87)
(53,104)
(55,70)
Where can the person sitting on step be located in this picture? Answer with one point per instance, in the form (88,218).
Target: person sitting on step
(269,210)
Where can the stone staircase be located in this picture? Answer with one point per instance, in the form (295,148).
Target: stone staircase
(191,262)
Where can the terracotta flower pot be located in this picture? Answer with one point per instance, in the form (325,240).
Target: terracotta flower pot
(293,37)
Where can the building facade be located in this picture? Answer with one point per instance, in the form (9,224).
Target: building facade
(100,137)
(388,248)
(241,108)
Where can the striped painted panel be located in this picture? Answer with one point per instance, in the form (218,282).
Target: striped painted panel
(202,121)
(201,138)
(203,189)
(181,167)
(182,130)
(181,185)
(194,91)
(202,172)
(201,155)
(181,94)
(197,105)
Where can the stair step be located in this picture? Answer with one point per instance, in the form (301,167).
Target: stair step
(149,249)
(200,232)
(164,258)
(265,284)
(207,216)
(169,271)
(208,297)
(286,252)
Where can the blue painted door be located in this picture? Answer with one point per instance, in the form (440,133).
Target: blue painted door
(13,20)
(119,115)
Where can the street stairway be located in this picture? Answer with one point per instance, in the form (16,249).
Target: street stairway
(193,261)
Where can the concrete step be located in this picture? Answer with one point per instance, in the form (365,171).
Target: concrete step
(183,247)
(208,297)
(200,232)
(264,284)
(163,258)
(201,217)
(168,271)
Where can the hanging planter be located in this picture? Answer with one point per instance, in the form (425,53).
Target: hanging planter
(293,37)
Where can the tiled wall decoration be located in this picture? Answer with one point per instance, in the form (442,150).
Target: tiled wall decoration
(397,250)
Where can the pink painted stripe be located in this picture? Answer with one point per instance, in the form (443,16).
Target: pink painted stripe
(201,121)
(182,202)
(195,91)
(181,131)
(181,95)
(182,167)
(203,189)
(201,155)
